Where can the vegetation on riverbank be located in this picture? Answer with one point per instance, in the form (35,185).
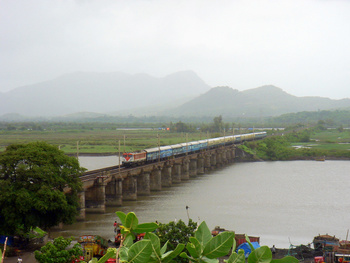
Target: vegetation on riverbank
(313,143)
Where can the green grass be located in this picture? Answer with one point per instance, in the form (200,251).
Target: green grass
(328,140)
(98,140)
(106,141)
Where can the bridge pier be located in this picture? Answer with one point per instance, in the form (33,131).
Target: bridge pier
(233,154)
(193,167)
(143,183)
(185,170)
(230,154)
(114,192)
(156,179)
(130,188)
(166,175)
(95,197)
(207,165)
(218,159)
(213,161)
(81,215)
(200,165)
(176,173)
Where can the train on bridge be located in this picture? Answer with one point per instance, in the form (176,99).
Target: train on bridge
(176,150)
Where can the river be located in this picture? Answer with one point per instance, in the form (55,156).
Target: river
(282,202)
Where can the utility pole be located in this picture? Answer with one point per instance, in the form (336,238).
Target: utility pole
(186,143)
(78,150)
(207,139)
(119,157)
(158,147)
(124,142)
(224,137)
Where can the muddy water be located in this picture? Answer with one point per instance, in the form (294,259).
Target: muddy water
(282,202)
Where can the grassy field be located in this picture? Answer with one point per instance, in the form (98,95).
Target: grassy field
(100,141)
(329,140)
(106,140)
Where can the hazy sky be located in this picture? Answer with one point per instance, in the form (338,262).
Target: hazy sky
(301,46)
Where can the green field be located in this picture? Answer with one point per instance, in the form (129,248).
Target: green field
(328,140)
(99,141)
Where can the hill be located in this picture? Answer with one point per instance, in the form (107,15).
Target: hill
(258,102)
(101,93)
(84,95)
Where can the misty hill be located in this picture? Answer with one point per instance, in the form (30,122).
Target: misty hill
(259,102)
(101,93)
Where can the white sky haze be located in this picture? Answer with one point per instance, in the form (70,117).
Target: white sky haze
(301,46)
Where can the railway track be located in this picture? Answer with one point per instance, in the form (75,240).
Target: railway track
(93,174)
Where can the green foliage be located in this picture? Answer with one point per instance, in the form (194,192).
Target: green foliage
(58,251)
(260,255)
(273,148)
(202,247)
(280,147)
(33,179)
(182,127)
(174,233)
(146,250)
(302,136)
(327,118)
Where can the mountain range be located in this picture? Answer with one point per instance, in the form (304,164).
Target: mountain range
(179,94)
(101,93)
(258,102)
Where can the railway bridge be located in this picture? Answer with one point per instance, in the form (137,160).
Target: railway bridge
(112,185)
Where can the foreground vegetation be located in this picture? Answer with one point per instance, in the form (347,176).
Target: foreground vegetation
(199,246)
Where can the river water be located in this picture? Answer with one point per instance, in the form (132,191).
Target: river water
(282,202)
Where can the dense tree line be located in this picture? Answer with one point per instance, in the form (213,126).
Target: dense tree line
(39,188)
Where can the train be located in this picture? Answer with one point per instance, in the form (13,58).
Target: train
(161,153)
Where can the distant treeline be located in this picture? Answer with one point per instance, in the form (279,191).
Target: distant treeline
(334,118)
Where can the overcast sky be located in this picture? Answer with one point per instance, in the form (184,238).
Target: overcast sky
(301,46)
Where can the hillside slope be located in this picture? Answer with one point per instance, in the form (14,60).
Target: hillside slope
(101,93)
(257,102)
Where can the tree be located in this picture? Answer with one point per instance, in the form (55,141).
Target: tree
(39,187)
(218,124)
(175,233)
(58,251)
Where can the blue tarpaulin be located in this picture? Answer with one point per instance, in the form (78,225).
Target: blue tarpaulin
(245,246)
(9,240)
